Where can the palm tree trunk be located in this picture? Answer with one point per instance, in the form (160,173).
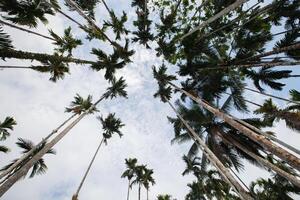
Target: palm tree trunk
(10,53)
(265,64)
(147,194)
(105,5)
(212,157)
(23,170)
(283,32)
(88,19)
(259,159)
(128,191)
(274,51)
(215,17)
(14,67)
(26,30)
(29,153)
(293,149)
(88,169)
(269,95)
(139,192)
(262,140)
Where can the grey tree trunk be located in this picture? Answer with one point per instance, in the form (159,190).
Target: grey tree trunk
(10,53)
(88,19)
(88,169)
(128,191)
(215,17)
(213,159)
(266,64)
(269,95)
(26,30)
(261,160)
(262,140)
(29,153)
(139,192)
(23,170)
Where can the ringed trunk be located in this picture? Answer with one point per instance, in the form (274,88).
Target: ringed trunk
(262,140)
(23,170)
(212,157)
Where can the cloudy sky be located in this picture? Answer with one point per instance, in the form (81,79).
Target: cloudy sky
(38,107)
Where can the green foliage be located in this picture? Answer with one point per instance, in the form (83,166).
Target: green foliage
(276,188)
(55,67)
(110,125)
(27,12)
(131,167)
(6,126)
(143,35)
(109,62)
(116,24)
(39,167)
(117,89)
(5,41)
(88,6)
(66,43)
(80,105)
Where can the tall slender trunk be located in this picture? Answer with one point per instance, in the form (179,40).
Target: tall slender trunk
(259,159)
(274,51)
(283,32)
(105,5)
(29,153)
(269,95)
(215,17)
(293,149)
(128,190)
(139,192)
(10,53)
(147,194)
(88,19)
(15,67)
(88,169)
(212,157)
(26,30)
(23,170)
(265,64)
(262,140)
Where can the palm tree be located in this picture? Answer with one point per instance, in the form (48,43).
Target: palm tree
(6,126)
(147,179)
(109,62)
(110,125)
(129,172)
(116,24)
(77,107)
(139,173)
(165,92)
(66,43)
(215,17)
(275,187)
(87,6)
(272,112)
(9,53)
(39,167)
(110,92)
(80,105)
(164,197)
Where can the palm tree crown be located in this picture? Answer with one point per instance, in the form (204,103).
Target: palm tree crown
(80,105)
(110,126)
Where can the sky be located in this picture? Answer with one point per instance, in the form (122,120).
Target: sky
(38,107)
